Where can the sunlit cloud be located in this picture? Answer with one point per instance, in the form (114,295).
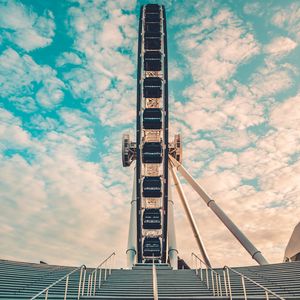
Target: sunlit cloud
(68,93)
(24,27)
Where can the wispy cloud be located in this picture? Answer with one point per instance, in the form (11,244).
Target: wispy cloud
(20,73)
(288,19)
(223,109)
(59,194)
(280,46)
(24,27)
(232,85)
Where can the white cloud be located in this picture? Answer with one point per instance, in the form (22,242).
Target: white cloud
(243,110)
(58,198)
(288,18)
(176,71)
(223,109)
(24,27)
(25,104)
(43,123)
(284,115)
(276,202)
(58,201)
(215,56)
(199,119)
(280,46)
(18,74)
(68,58)
(51,93)
(237,139)
(253,8)
(226,160)
(214,47)
(102,33)
(11,133)
(272,79)
(111,35)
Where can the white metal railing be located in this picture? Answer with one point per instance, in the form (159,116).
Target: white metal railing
(45,291)
(154,281)
(213,280)
(208,276)
(98,275)
(228,289)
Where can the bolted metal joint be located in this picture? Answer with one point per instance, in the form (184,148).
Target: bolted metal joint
(175,148)
(128,150)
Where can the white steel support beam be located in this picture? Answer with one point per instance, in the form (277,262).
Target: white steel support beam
(190,217)
(131,247)
(172,247)
(245,242)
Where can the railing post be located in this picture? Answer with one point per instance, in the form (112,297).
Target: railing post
(217,284)
(95,282)
(207,281)
(244,287)
(201,273)
(88,287)
(111,263)
(225,282)
(66,288)
(243,277)
(220,284)
(105,271)
(109,268)
(229,285)
(79,284)
(60,280)
(100,277)
(83,282)
(212,282)
(267,295)
(91,284)
(97,276)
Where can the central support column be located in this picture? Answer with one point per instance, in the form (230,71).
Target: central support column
(172,247)
(131,247)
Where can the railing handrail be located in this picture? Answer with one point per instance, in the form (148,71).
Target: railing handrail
(102,263)
(154,282)
(215,277)
(57,281)
(94,277)
(207,266)
(251,280)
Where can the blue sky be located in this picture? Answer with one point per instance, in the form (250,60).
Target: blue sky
(67,94)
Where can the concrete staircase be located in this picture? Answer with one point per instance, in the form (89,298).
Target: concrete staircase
(137,284)
(20,280)
(283,279)
(24,280)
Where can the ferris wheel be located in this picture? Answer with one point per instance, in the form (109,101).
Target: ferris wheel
(152,231)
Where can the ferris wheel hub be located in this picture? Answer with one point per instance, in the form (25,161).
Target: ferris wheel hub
(175,148)
(128,150)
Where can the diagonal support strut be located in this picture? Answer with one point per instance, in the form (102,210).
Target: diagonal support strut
(190,216)
(239,235)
